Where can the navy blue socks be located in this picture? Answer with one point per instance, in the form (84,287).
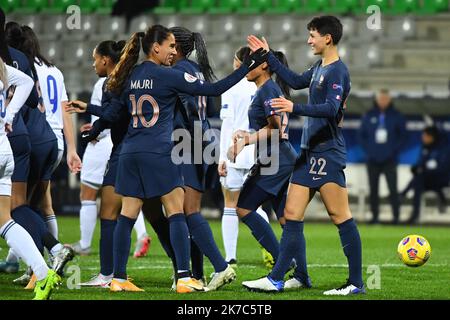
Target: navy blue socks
(263,233)
(351,244)
(202,235)
(121,245)
(106,246)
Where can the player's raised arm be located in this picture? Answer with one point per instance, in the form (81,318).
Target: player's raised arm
(293,79)
(187,83)
(328,109)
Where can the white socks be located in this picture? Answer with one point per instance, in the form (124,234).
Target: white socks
(12,256)
(139,226)
(21,242)
(88,219)
(230,231)
(52,225)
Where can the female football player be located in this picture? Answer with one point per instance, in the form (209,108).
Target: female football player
(320,166)
(273,152)
(195,108)
(234,116)
(54,96)
(146,169)
(16,236)
(45,151)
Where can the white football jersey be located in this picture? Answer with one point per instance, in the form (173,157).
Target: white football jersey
(96,99)
(235,104)
(23,86)
(53,91)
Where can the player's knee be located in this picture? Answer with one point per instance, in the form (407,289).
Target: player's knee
(290,214)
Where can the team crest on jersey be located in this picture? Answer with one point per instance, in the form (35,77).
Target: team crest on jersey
(189,78)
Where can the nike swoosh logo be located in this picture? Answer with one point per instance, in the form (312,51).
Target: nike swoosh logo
(85,135)
(251,64)
(45,284)
(315,178)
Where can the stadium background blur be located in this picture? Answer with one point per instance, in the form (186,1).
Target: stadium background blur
(409,55)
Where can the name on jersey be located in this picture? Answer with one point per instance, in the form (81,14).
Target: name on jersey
(142,84)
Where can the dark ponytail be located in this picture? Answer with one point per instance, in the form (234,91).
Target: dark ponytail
(111,49)
(128,60)
(30,46)
(187,42)
(14,35)
(242,53)
(283,85)
(130,54)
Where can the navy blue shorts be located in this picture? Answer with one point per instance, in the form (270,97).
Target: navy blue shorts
(270,183)
(252,196)
(314,169)
(21,148)
(42,160)
(194,176)
(111,170)
(146,175)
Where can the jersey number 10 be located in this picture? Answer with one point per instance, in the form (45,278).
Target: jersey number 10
(137,112)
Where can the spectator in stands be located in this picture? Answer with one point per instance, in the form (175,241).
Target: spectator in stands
(432,171)
(382,135)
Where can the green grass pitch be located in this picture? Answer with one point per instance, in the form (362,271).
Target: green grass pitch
(326,261)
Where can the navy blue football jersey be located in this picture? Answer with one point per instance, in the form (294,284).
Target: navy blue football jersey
(150,95)
(329,87)
(260,109)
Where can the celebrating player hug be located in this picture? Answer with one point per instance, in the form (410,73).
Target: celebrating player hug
(189,129)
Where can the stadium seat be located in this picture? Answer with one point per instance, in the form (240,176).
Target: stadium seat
(399,28)
(405,6)
(30,6)
(166,7)
(58,6)
(382,4)
(250,24)
(195,6)
(105,6)
(9,5)
(109,28)
(280,27)
(75,53)
(141,23)
(51,50)
(89,5)
(284,6)
(434,6)
(224,28)
(198,23)
(316,6)
(221,55)
(54,25)
(346,6)
(255,7)
(226,6)
(168,21)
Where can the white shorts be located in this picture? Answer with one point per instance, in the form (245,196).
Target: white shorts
(6,171)
(95,159)
(60,137)
(235,178)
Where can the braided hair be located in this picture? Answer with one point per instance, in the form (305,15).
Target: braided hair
(189,41)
